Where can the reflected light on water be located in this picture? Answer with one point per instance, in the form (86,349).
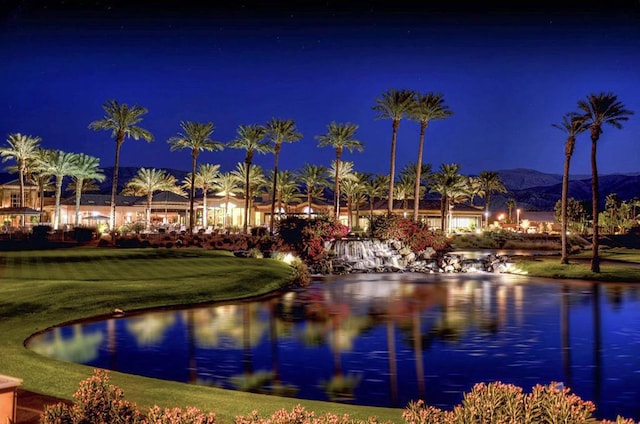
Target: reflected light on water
(385,340)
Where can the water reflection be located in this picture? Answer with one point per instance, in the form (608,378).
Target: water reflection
(385,339)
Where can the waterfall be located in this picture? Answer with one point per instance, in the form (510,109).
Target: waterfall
(364,255)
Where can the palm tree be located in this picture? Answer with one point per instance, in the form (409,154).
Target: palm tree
(450,184)
(87,169)
(196,136)
(148,181)
(600,109)
(473,188)
(375,188)
(251,139)
(511,205)
(404,190)
(490,183)
(41,179)
(281,182)
(314,179)
(21,148)
(395,105)
(426,107)
(59,164)
(573,125)
(253,182)
(226,186)
(340,137)
(122,121)
(279,131)
(206,178)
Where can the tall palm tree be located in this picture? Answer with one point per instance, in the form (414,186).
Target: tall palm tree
(196,137)
(314,178)
(87,169)
(40,179)
(279,131)
(250,138)
(599,110)
(22,149)
(426,107)
(59,164)
(253,182)
(573,125)
(226,186)
(393,104)
(490,183)
(340,136)
(122,121)
(206,177)
(146,182)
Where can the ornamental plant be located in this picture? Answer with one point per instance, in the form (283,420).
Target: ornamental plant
(505,403)
(98,402)
(307,237)
(415,235)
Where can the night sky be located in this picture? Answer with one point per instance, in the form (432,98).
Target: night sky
(507,74)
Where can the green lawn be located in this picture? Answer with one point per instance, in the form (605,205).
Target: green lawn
(617,265)
(39,289)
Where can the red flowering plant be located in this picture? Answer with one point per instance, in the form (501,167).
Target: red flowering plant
(307,237)
(415,235)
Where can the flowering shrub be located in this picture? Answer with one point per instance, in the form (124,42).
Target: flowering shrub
(505,403)
(416,235)
(299,415)
(98,402)
(307,237)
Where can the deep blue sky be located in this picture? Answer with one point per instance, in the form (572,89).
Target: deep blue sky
(506,74)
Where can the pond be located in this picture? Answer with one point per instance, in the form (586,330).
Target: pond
(384,340)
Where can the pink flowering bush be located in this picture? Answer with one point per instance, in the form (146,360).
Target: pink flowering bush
(505,403)
(307,237)
(98,402)
(299,415)
(416,235)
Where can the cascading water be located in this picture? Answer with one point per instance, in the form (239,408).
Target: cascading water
(364,255)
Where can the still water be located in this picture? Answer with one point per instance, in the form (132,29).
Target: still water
(384,340)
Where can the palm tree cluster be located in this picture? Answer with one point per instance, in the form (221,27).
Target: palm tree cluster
(594,112)
(41,165)
(354,188)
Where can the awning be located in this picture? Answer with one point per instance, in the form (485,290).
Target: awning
(96,218)
(19,211)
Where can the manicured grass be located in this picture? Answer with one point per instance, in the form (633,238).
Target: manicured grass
(39,289)
(617,265)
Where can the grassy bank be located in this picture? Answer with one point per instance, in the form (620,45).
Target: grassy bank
(42,288)
(617,265)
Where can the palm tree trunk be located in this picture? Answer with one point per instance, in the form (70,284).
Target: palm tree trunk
(565,193)
(22,195)
(205,218)
(337,188)
(114,182)
(392,167)
(192,191)
(79,184)
(416,192)
(245,224)
(275,185)
(308,202)
(56,222)
(149,201)
(595,258)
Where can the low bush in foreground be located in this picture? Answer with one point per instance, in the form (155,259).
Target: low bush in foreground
(99,402)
